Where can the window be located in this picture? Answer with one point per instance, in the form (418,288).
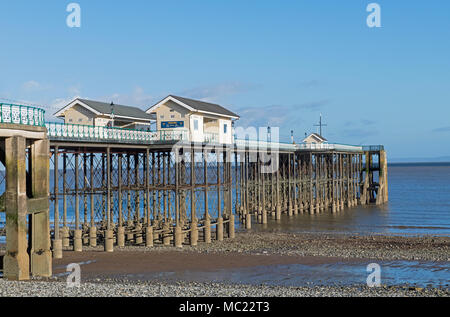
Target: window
(80,120)
(195,125)
(161,116)
(225,128)
(172,116)
(70,120)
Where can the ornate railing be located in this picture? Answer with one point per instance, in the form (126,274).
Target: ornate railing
(373,148)
(262,145)
(329,147)
(26,115)
(96,133)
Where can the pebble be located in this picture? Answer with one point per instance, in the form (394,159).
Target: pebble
(124,288)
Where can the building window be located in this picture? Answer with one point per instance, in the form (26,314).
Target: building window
(195,125)
(172,116)
(70,120)
(80,120)
(225,128)
(161,116)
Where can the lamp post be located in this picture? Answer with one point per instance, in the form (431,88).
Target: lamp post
(112,114)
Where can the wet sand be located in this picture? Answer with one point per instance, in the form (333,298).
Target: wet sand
(255,249)
(96,264)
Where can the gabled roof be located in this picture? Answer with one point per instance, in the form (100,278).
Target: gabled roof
(316,136)
(196,106)
(102,108)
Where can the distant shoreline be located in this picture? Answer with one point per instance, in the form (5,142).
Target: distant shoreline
(418,163)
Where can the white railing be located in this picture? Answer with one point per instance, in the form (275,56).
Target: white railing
(95,133)
(92,133)
(329,147)
(210,137)
(254,144)
(297,147)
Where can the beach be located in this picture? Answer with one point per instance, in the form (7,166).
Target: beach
(162,270)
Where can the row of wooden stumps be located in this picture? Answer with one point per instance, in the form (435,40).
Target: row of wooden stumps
(308,182)
(141,198)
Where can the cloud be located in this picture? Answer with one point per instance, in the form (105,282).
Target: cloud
(273,115)
(214,92)
(34,86)
(359,132)
(443,129)
(74,90)
(138,98)
(313,105)
(310,83)
(277,115)
(367,122)
(31,85)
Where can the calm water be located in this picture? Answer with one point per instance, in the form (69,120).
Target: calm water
(419,203)
(422,274)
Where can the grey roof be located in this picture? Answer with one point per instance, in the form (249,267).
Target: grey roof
(205,106)
(119,110)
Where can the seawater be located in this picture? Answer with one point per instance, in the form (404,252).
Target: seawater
(419,204)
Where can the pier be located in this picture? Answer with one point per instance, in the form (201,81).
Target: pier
(87,186)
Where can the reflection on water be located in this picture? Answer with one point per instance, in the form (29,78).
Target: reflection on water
(421,274)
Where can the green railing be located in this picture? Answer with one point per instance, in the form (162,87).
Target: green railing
(26,115)
(96,133)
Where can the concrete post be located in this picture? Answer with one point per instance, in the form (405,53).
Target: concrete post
(109,241)
(178,237)
(219,229)
(231,229)
(194,233)
(166,234)
(65,237)
(278,212)
(57,242)
(207,230)
(93,236)
(138,236)
(121,237)
(77,242)
(248,221)
(149,236)
(41,256)
(16,263)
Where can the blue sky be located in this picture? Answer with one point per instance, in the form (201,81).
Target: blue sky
(274,62)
